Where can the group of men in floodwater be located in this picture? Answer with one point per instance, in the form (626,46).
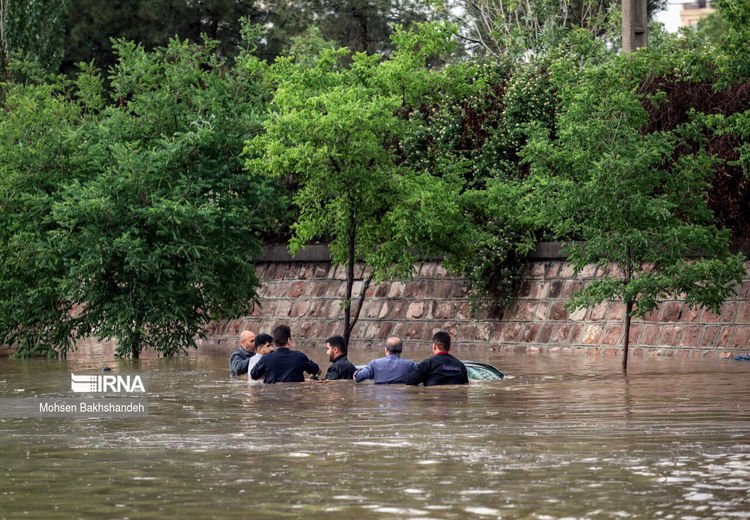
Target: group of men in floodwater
(271,359)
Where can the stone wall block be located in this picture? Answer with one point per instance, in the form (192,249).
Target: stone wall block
(555,289)
(743,292)
(483,332)
(443,289)
(398,310)
(299,308)
(650,335)
(415,289)
(526,311)
(616,311)
(561,334)
(385,309)
(537,270)
(592,334)
(512,331)
(652,316)
(708,316)
(530,332)
(545,334)
(440,271)
(567,271)
(740,339)
(691,336)
(371,309)
(599,311)
(557,312)
(575,333)
(524,291)
(427,270)
(690,314)
(464,311)
(552,269)
(671,311)
(445,310)
(334,310)
(235,327)
(296,289)
(612,335)
(466,333)
(571,287)
(635,333)
(588,272)
(497,333)
(381,291)
(728,312)
(306,272)
(460,290)
(415,310)
(396,290)
(670,336)
(743,313)
(320,271)
(579,314)
(540,314)
(415,330)
(282,309)
(709,337)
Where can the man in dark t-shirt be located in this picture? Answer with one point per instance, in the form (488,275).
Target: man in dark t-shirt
(283,365)
(440,369)
(342,367)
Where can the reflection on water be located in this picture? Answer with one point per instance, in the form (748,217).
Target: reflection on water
(559,438)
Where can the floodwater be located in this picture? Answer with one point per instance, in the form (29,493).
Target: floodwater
(559,438)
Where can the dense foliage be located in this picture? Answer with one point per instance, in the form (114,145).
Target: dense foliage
(129,210)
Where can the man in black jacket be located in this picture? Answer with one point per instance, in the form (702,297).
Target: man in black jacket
(241,357)
(336,351)
(283,365)
(440,369)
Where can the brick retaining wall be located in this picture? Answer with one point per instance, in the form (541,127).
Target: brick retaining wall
(306,295)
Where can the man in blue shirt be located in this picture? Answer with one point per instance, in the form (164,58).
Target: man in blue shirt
(388,370)
(283,365)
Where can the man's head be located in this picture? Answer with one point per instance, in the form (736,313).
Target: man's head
(247,340)
(263,344)
(281,336)
(394,345)
(441,341)
(335,347)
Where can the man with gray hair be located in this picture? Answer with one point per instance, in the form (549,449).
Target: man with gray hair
(388,370)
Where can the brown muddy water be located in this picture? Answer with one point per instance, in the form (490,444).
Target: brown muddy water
(559,438)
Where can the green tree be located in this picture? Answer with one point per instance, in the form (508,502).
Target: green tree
(627,198)
(334,131)
(34,30)
(41,141)
(150,223)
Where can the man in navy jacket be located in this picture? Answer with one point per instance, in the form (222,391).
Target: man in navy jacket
(341,368)
(284,365)
(440,369)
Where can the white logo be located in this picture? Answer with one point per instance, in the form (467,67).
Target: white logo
(106,383)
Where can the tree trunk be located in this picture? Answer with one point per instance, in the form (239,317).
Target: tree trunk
(348,326)
(628,310)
